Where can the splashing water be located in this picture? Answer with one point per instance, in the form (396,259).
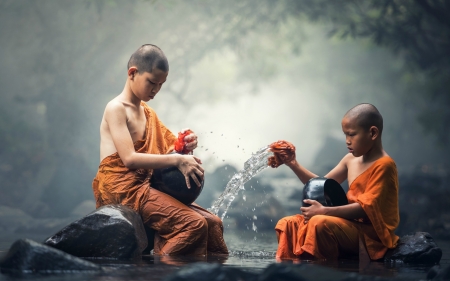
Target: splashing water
(254,165)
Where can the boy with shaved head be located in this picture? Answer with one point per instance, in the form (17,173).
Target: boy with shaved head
(367,224)
(133,142)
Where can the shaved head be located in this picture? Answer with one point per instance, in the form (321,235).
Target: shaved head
(366,115)
(147,58)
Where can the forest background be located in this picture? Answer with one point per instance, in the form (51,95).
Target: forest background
(242,75)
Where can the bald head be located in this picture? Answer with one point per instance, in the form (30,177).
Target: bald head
(366,115)
(147,58)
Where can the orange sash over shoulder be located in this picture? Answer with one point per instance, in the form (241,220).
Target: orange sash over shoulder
(376,190)
(115,183)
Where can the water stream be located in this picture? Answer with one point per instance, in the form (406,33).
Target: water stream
(255,164)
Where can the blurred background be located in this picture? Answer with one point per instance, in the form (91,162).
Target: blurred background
(243,74)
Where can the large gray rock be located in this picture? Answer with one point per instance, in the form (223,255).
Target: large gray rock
(112,231)
(418,248)
(27,256)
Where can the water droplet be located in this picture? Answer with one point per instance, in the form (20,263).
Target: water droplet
(238,146)
(206,149)
(226,167)
(255,217)
(254,228)
(244,197)
(211,132)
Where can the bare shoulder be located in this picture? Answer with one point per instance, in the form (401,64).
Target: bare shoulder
(114,110)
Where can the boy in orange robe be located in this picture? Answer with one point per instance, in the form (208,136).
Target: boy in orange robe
(367,223)
(133,143)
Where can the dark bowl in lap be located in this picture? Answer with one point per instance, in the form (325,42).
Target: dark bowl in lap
(327,192)
(172,182)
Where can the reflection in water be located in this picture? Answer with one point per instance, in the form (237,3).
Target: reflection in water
(246,252)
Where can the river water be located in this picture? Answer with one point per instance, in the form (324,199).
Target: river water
(249,250)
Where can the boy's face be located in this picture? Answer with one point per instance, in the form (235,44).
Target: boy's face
(359,140)
(146,85)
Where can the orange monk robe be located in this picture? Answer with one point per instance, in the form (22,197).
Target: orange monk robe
(180,229)
(376,190)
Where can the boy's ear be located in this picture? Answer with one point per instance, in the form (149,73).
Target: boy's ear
(374,132)
(132,71)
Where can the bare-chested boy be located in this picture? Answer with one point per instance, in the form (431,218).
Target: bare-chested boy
(133,143)
(367,223)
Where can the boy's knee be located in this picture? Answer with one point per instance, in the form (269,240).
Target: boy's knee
(320,222)
(215,222)
(285,220)
(199,224)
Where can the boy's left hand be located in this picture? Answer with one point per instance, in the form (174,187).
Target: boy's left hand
(315,209)
(191,140)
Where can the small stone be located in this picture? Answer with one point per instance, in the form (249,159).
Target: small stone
(210,272)
(437,274)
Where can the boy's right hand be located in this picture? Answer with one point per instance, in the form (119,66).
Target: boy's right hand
(190,166)
(283,153)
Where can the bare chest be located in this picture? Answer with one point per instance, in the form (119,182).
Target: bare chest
(355,169)
(136,122)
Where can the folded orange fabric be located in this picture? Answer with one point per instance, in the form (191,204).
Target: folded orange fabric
(282,151)
(376,189)
(181,229)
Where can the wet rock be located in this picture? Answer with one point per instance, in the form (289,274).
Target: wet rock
(112,231)
(437,274)
(274,272)
(210,272)
(419,248)
(27,256)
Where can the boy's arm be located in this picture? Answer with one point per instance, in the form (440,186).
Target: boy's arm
(349,211)
(340,172)
(301,172)
(116,118)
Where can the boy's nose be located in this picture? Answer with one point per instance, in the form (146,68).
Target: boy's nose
(156,89)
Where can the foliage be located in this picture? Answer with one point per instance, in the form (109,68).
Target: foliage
(417,30)
(63,60)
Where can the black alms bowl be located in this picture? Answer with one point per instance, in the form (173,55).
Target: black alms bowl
(171,181)
(327,192)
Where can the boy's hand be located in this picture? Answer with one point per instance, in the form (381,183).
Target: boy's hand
(315,209)
(191,140)
(190,167)
(283,153)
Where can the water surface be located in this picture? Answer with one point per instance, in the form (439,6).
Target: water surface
(249,250)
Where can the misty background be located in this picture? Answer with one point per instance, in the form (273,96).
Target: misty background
(243,74)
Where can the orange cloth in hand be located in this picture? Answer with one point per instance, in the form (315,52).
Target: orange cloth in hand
(376,189)
(282,151)
(180,229)
(180,143)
